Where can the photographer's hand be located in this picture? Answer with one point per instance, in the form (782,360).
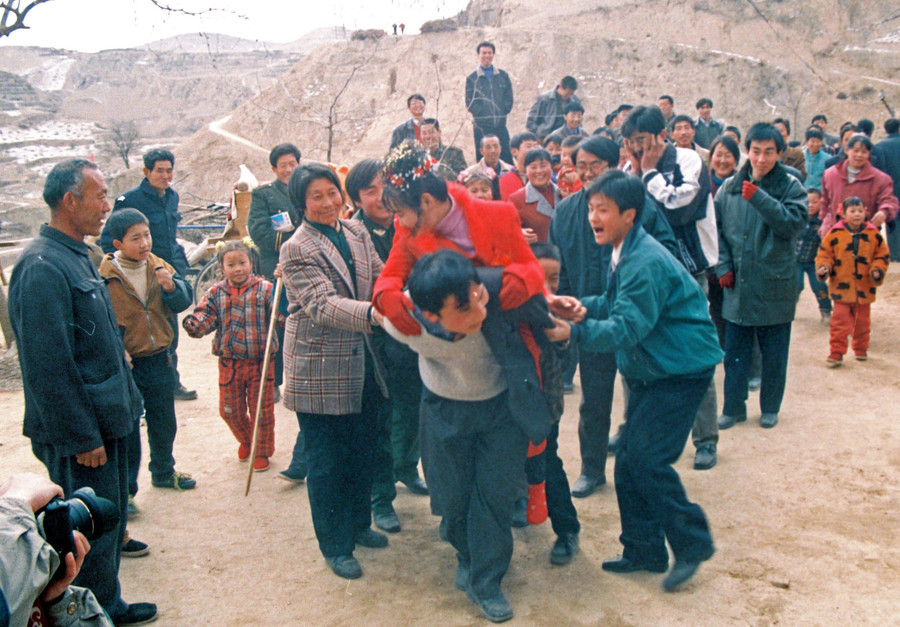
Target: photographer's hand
(94,459)
(57,587)
(35,489)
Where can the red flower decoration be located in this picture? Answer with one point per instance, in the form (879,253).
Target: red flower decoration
(418,172)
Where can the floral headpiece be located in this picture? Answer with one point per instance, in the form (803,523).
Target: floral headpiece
(406,163)
(247,241)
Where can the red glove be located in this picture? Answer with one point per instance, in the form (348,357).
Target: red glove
(513,292)
(537,504)
(748,190)
(726,281)
(395,305)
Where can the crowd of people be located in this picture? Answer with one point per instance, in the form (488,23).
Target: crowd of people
(437,312)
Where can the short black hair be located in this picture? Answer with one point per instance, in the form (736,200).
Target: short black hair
(867,126)
(682,118)
(763,131)
(439,275)
(734,130)
(785,122)
(730,145)
(624,107)
(554,139)
(158,154)
(666,97)
(303,176)
(852,201)
(813,190)
(488,44)
(66,176)
(848,126)
(860,138)
(546,250)
(603,130)
(891,126)
(414,97)
(536,154)
(432,122)
(644,120)
(571,140)
(488,136)
(360,176)
(819,116)
(704,101)
(118,222)
(815,132)
(626,190)
(573,106)
(610,117)
(518,138)
(568,82)
(281,150)
(601,147)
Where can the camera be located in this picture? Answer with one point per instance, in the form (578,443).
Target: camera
(83,511)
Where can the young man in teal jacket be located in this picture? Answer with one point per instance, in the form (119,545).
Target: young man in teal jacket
(654,317)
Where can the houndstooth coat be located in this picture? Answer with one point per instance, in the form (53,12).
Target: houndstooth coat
(328,328)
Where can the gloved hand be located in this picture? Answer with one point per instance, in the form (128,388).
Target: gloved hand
(748,190)
(396,307)
(726,281)
(513,292)
(822,273)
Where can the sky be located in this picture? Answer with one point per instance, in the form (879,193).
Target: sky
(92,25)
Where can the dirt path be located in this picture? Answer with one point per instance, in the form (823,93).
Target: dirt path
(806,518)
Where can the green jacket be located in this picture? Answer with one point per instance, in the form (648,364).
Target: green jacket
(653,315)
(265,202)
(757,241)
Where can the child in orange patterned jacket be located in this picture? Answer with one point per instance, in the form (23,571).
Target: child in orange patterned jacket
(854,257)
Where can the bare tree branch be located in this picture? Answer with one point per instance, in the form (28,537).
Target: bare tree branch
(13,9)
(123,136)
(167,7)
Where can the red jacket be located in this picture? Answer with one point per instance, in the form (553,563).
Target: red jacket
(495,231)
(873,186)
(509,183)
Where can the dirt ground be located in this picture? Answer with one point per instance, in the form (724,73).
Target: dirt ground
(806,519)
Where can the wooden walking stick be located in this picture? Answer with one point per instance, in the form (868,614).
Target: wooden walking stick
(262,383)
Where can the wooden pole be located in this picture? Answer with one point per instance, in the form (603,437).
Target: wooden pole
(262,384)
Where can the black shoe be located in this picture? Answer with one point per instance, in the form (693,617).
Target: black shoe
(622,564)
(684,570)
(768,420)
(345,566)
(416,486)
(496,609)
(705,457)
(184,394)
(137,614)
(613,445)
(387,521)
(294,475)
(133,548)
(461,579)
(564,549)
(176,481)
(371,539)
(520,513)
(726,422)
(585,486)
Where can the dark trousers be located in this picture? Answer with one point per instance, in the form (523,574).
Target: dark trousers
(406,393)
(384,489)
(279,355)
(502,134)
(475,460)
(819,289)
(339,451)
(774,342)
(153,377)
(173,356)
(652,503)
(100,571)
(563,517)
(598,378)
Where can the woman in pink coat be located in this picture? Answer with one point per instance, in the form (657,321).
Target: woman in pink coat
(856,176)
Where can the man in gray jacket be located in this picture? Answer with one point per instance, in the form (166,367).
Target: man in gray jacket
(546,114)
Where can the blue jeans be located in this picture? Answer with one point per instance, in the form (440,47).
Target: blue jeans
(774,342)
(820,290)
